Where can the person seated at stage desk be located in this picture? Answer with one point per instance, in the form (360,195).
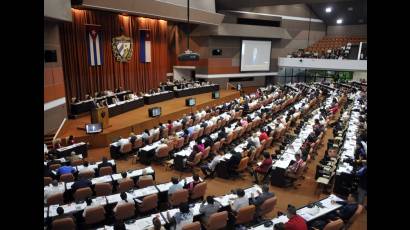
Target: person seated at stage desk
(141,94)
(293,168)
(115,100)
(104,163)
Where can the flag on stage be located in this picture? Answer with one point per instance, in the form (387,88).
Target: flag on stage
(145,46)
(94,45)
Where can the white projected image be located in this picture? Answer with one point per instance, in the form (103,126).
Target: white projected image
(255,55)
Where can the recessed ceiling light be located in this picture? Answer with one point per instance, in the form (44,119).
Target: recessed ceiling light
(328,9)
(350,9)
(339,21)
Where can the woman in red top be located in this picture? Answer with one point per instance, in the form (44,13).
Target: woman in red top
(295,222)
(263,136)
(264,167)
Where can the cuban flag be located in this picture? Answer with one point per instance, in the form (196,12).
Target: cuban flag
(94,45)
(145,46)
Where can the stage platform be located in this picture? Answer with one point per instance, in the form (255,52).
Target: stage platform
(137,120)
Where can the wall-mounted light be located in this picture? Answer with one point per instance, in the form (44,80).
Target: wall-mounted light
(328,9)
(339,21)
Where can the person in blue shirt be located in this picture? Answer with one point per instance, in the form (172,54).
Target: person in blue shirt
(65,170)
(190,130)
(348,209)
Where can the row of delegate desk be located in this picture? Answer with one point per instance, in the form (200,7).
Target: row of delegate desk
(86,106)
(344,172)
(109,202)
(127,105)
(93,166)
(146,222)
(279,166)
(307,212)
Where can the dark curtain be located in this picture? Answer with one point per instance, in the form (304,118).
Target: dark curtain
(81,78)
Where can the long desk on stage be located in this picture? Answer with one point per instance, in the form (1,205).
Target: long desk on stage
(137,120)
(158,97)
(196,90)
(125,106)
(86,106)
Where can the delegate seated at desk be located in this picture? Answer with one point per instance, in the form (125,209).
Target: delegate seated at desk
(81,183)
(208,209)
(62,215)
(239,202)
(176,185)
(104,163)
(52,190)
(86,169)
(209,169)
(183,217)
(345,212)
(295,222)
(293,169)
(73,157)
(262,197)
(65,169)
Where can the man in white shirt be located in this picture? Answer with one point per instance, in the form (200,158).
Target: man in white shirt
(175,186)
(85,168)
(52,189)
(240,202)
(255,140)
(209,169)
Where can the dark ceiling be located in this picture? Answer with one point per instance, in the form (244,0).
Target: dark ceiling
(358,14)
(339,8)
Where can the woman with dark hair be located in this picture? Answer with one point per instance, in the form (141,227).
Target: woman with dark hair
(183,217)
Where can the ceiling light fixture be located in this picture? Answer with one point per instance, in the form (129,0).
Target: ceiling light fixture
(339,21)
(350,9)
(328,9)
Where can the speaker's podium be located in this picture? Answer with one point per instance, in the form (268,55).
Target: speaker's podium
(100,115)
